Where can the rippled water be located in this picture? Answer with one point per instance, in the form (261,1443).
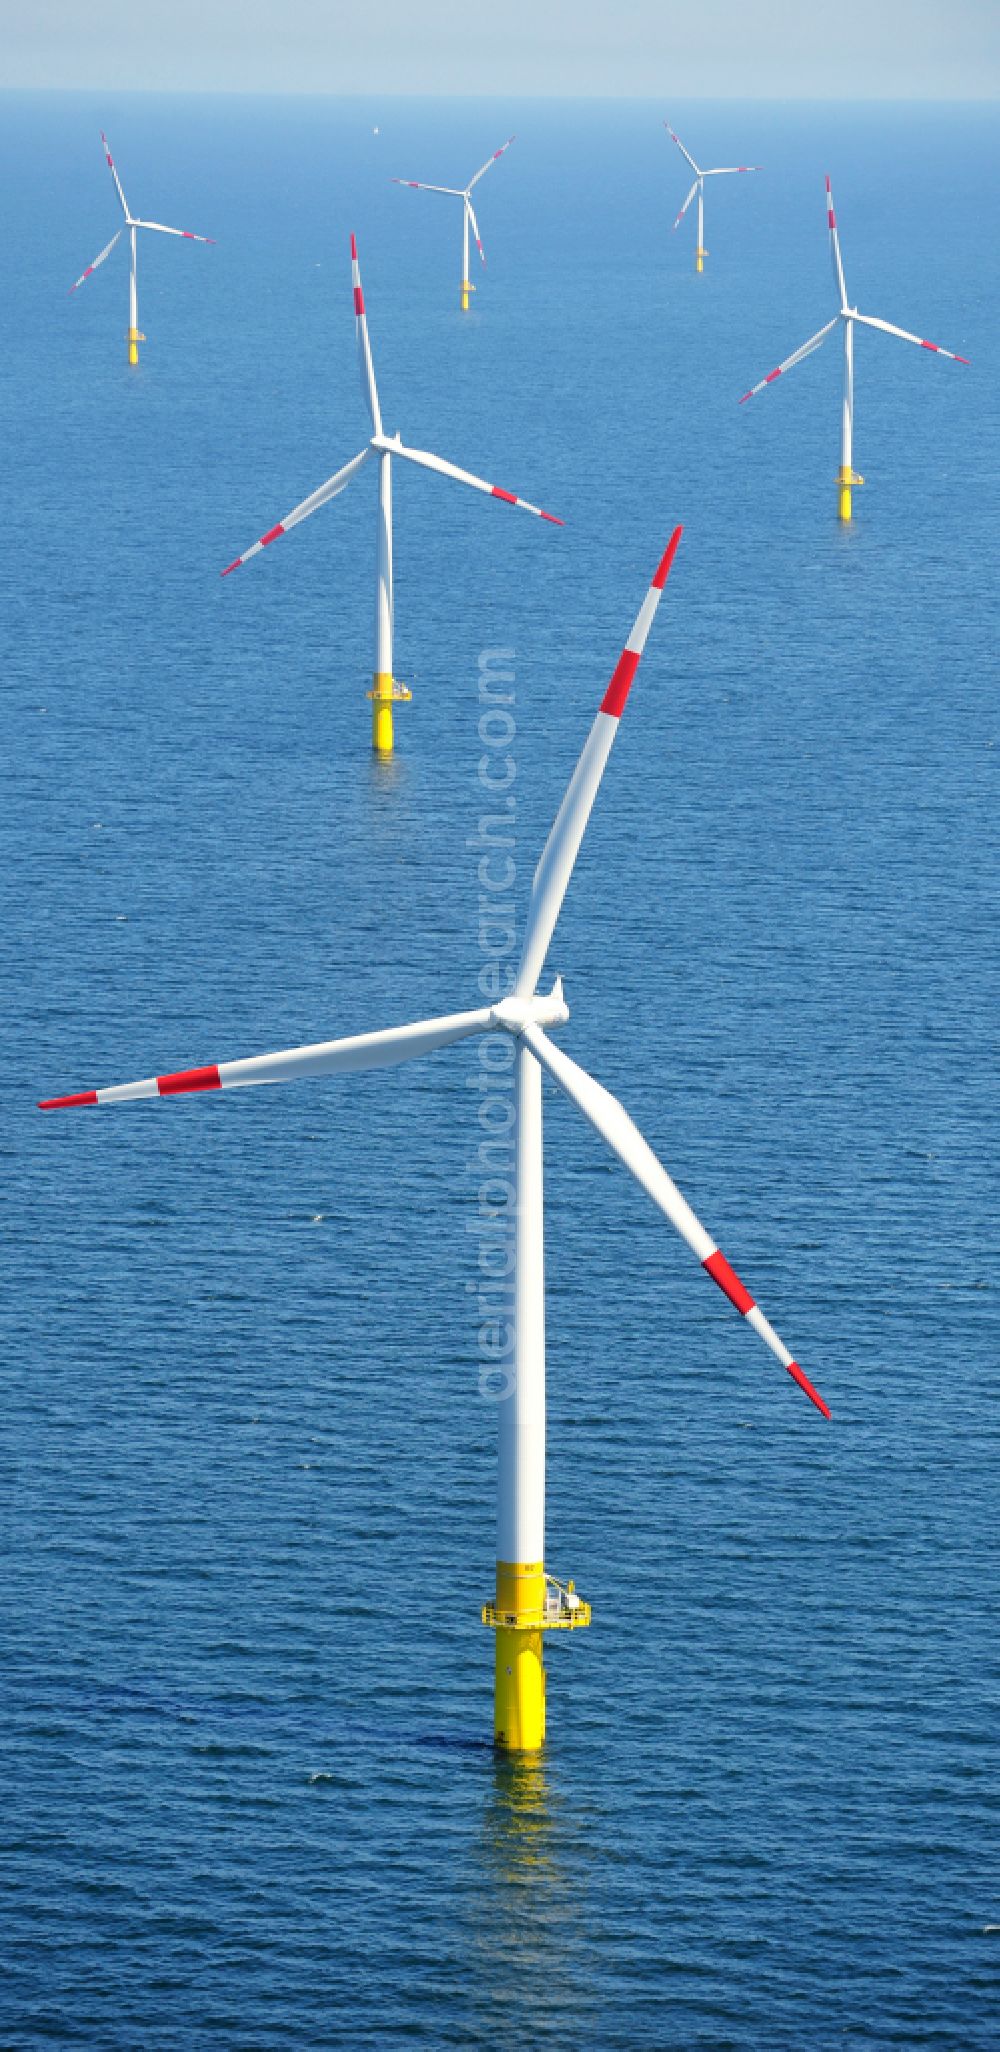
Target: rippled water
(248,1474)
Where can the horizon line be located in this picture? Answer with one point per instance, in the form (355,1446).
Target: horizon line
(370,93)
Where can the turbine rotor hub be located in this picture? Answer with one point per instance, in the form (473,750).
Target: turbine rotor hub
(513,1014)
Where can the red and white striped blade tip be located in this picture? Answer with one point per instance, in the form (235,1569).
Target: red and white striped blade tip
(769,380)
(939,351)
(264,543)
(663,567)
(176,1084)
(804,1383)
(511,499)
(727,1280)
(618,690)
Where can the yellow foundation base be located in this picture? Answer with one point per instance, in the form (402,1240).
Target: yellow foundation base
(385,693)
(134,339)
(519,1691)
(528,1603)
(383,738)
(699,259)
(466,290)
(846,479)
(519,1684)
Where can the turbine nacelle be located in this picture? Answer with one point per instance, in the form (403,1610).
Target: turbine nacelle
(514,1014)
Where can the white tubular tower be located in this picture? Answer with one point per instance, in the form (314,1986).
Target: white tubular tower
(134,337)
(847,476)
(467,285)
(519,1681)
(384,690)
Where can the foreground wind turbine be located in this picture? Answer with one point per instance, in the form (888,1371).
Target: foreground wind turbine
(385,691)
(463,192)
(132,223)
(528,1600)
(846,476)
(720,171)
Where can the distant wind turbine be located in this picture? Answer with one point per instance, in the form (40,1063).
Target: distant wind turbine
(132,223)
(846,477)
(463,193)
(385,690)
(719,171)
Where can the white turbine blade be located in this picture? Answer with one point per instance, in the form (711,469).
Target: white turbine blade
(683,151)
(481,173)
(91,268)
(838,262)
(790,361)
(114,174)
(730,170)
(365,365)
(555,866)
(330,490)
(479,484)
(612,1121)
(686,205)
(869,321)
(417,185)
(325,1058)
(187,233)
(475,229)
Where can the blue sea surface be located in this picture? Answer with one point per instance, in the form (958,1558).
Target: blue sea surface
(248,1474)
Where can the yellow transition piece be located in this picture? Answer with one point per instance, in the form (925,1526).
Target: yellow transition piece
(385,693)
(519,1692)
(845,480)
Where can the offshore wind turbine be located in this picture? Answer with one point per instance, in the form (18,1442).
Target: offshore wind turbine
(464,193)
(132,223)
(385,692)
(719,171)
(528,1600)
(847,476)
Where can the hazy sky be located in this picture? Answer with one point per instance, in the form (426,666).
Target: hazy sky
(765,49)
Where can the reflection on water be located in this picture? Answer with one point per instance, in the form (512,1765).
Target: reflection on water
(520,1822)
(387,774)
(529,1955)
